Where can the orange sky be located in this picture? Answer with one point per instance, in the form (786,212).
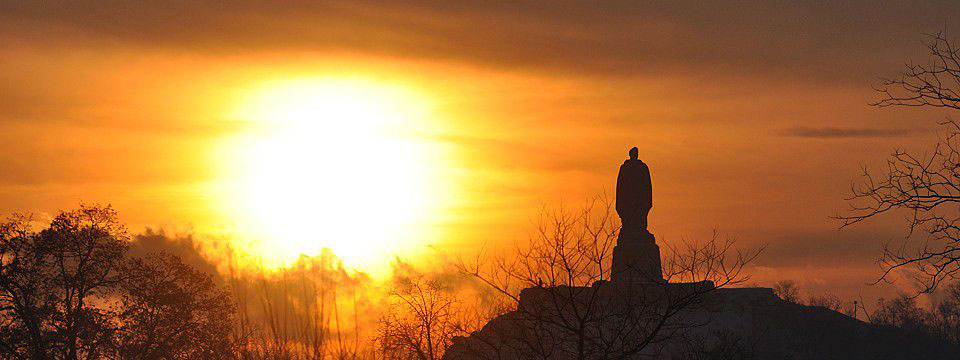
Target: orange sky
(752,117)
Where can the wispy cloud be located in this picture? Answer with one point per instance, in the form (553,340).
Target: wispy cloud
(846,133)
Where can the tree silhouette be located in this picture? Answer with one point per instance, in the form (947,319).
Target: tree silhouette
(70,292)
(941,320)
(925,186)
(787,290)
(52,281)
(564,307)
(421,321)
(169,310)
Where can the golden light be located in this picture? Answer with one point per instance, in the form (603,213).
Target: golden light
(332,163)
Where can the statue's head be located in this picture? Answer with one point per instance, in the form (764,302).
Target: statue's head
(634,153)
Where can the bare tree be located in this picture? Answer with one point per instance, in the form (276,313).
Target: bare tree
(903,312)
(831,302)
(941,321)
(787,290)
(309,310)
(728,345)
(925,186)
(421,321)
(565,309)
(948,314)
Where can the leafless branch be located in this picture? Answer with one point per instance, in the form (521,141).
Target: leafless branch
(926,186)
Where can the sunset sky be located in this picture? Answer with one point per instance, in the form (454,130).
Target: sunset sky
(411,128)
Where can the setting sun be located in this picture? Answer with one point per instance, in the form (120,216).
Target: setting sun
(333,163)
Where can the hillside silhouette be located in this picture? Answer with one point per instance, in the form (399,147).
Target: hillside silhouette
(733,323)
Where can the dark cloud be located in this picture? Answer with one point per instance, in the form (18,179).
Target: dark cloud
(824,248)
(846,133)
(743,39)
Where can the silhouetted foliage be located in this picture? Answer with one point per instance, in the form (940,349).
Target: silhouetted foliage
(301,312)
(828,301)
(925,186)
(948,314)
(69,292)
(53,280)
(787,290)
(168,310)
(903,312)
(941,320)
(727,345)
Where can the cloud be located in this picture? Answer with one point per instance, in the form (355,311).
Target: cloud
(118,84)
(831,41)
(846,133)
(824,249)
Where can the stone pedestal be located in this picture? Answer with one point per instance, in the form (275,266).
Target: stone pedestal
(636,259)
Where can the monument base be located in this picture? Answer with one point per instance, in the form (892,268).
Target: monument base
(636,259)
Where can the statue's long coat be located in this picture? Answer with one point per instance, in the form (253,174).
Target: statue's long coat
(634,191)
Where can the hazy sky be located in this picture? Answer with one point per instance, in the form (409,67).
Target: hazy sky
(753,116)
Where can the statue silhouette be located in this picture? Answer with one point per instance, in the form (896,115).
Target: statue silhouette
(634,197)
(636,258)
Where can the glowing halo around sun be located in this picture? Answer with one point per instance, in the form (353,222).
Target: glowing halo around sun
(331,163)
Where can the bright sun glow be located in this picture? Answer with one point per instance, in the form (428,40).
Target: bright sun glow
(331,163)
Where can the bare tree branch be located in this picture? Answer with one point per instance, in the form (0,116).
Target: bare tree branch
(563,306)
(926,186)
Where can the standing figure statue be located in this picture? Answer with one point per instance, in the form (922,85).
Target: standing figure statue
(634,198)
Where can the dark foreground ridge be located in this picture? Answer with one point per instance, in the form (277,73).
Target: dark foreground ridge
(730,323)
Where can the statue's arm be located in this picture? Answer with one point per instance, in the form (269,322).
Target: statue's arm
(648,185)
(619,190)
